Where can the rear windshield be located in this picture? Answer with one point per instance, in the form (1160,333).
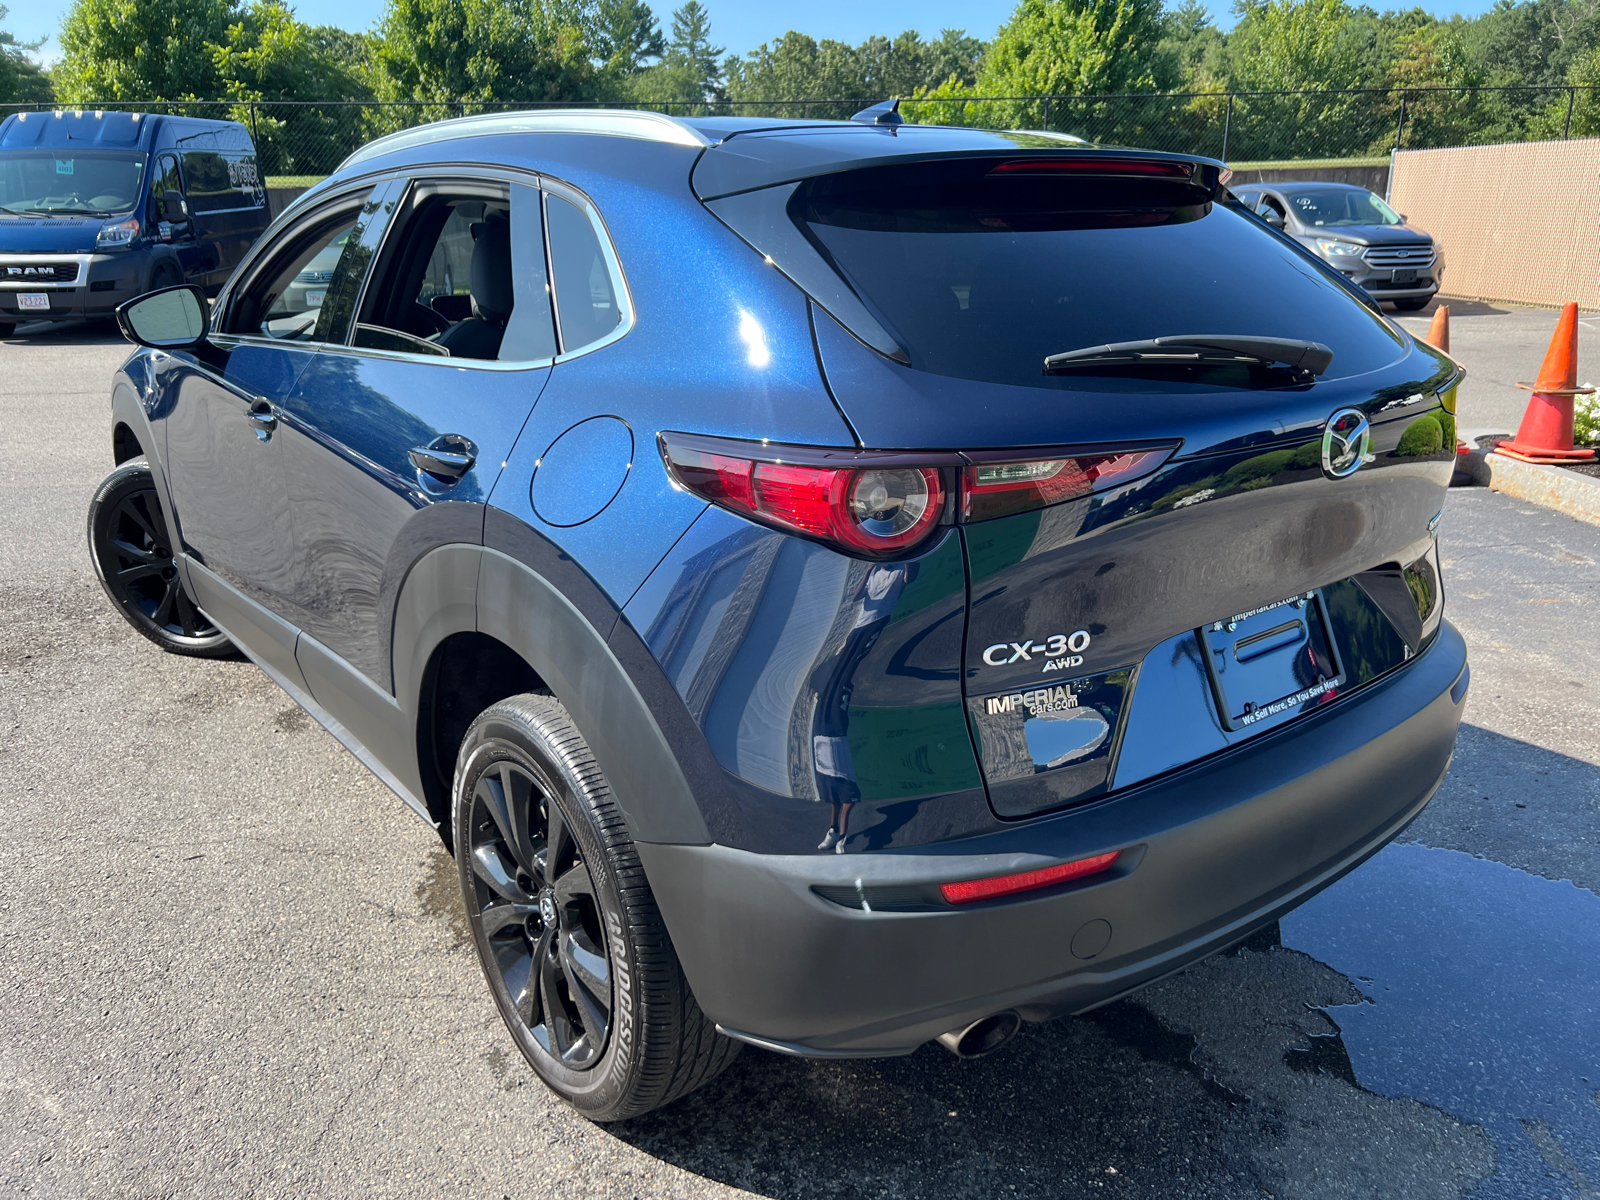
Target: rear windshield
(982,274)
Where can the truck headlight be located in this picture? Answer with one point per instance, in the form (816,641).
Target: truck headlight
(117,235)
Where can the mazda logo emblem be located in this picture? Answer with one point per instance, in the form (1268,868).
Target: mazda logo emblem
(1346,443)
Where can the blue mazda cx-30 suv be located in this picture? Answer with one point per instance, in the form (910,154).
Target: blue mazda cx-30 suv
(834,585)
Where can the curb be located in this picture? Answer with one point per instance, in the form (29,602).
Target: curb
(1568,492)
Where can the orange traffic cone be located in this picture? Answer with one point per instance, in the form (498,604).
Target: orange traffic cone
(1545,435)
(1439,332)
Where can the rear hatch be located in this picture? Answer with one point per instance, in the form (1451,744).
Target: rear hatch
(1246,570)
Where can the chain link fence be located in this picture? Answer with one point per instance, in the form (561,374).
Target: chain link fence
(299,142)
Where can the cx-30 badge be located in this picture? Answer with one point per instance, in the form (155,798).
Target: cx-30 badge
(1054,650)
(1346,443)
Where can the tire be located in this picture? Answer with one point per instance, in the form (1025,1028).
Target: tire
(1412,303)
(133,559)
(556,899)
(165,276)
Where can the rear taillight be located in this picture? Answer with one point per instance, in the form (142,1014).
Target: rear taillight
(863,503)
(878,504)
(998,489)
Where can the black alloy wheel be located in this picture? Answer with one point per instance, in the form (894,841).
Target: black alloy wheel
(539,914)
(566,929)
(134,561)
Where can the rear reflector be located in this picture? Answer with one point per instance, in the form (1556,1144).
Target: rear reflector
(1149,168)
(969,890)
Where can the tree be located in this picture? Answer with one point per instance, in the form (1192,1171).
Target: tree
(689,69)
(1060,48)
(626,33)
(268,58)
(142,49)
(21,79)
(433,51)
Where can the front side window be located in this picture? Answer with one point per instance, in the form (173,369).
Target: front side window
(305,291)
(70,182)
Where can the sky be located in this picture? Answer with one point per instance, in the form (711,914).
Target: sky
(737,25)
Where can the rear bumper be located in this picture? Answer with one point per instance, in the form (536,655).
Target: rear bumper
(1217,850)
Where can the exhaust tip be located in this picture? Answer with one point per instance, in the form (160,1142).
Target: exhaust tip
(983,1036)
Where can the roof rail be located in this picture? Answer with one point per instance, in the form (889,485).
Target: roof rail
(608,122)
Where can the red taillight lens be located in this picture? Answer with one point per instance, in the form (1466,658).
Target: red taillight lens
(871,510)
(997,489)
(875,504)
(969,890)
(1145,167)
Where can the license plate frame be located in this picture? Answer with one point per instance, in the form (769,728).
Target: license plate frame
(1271,660)
(33,301)
(317,298)
(1404,275)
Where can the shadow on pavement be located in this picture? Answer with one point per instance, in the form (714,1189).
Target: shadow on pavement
(65,333)
(1215,1083)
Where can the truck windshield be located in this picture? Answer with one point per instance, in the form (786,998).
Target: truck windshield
(69,181)
(983,272)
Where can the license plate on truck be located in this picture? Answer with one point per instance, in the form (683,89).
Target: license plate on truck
(33,301)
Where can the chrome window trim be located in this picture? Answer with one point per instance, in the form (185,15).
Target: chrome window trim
(467,172)
(626,314)
(263,250)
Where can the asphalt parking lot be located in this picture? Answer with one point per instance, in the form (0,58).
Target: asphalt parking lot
(235,965)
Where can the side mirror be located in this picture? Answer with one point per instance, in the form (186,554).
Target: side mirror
(174,207)
(173,318)
(1274,219)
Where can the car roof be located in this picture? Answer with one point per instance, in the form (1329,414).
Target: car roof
(744,153)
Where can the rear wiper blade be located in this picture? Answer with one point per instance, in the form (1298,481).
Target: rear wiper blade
(1196,349)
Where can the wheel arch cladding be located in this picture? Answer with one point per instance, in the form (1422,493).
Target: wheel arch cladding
(521,610)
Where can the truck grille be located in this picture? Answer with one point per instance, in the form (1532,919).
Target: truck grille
(57,272)
(1387,257)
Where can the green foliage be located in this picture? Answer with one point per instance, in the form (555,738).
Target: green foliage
(21,79)
(142,49)
(1586,420)
(441,51)
(626,33)
(269,55)
(1060,47)
(797,67)
(1422,437)
(690,67)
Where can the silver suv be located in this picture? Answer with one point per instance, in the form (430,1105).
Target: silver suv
(1357,234)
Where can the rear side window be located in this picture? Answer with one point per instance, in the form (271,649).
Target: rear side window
(983,268)
(586,303)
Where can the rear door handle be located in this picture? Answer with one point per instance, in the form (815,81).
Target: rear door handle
(264,419)
(447,458)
